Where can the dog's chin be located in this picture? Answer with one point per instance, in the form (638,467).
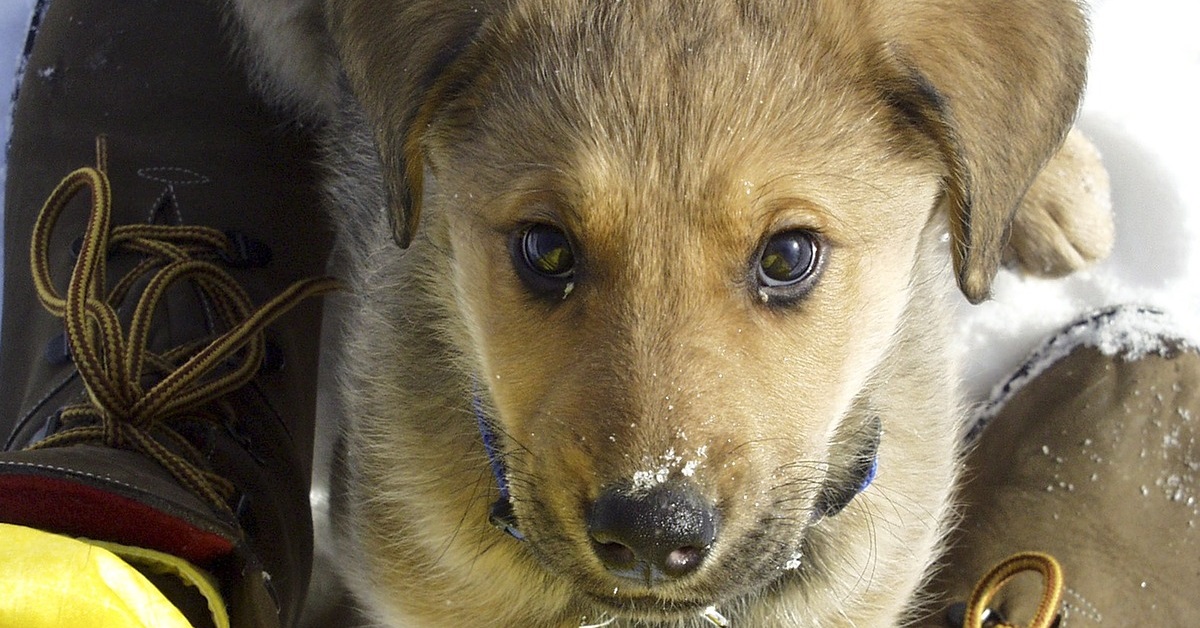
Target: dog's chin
(746,569)
(648,607)
(685,603)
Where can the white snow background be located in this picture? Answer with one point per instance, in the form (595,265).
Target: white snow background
(1140,110)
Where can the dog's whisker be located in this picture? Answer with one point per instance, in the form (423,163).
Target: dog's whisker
(469,508)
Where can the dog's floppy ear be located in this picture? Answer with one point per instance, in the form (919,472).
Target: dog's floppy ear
(394,56)
(996,85)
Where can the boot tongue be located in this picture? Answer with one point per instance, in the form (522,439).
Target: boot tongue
(841,488)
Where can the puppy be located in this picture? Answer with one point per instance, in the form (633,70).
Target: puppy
(675,304)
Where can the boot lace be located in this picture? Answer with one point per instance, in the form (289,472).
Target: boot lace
(134,395)
(994,580)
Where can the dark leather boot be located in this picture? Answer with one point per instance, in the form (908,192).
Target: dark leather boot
(144,400)
(1088,455)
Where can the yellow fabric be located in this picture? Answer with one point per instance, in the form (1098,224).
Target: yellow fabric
(160,563)
(52,581)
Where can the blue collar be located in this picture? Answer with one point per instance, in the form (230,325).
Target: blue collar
(501,515)
(862,468)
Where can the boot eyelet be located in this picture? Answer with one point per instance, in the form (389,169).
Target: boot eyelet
(57,351)
(49,428)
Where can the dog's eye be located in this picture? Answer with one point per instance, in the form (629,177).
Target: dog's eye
(787,263)
(544,258)
(547,251)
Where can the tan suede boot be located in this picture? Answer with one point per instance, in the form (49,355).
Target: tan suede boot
(1088,455)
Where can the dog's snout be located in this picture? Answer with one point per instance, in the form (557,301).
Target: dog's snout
(652,535)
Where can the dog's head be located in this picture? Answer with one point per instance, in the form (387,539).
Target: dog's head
(683,236)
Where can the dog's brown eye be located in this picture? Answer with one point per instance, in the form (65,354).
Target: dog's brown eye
(787,264)
(547,251)
(787,258)
(544,259)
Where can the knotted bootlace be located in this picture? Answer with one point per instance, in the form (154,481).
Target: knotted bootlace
(986,589)
(135,395)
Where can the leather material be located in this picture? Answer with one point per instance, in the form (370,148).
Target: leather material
(189,143)
(1093,460)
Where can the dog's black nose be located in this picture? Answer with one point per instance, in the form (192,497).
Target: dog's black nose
(652,535)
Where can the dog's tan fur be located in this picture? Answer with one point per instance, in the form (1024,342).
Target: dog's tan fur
(669,139)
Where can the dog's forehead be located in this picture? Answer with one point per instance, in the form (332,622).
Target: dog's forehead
(686,105)
(705,74)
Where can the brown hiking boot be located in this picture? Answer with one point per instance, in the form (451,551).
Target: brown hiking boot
(1088,457)
(144,401)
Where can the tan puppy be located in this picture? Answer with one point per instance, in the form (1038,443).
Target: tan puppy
(687,265)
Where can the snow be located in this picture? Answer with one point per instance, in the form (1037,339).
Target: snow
(1138,110)
(659,471)
(1145,81)
(14,23)
(1128,332)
